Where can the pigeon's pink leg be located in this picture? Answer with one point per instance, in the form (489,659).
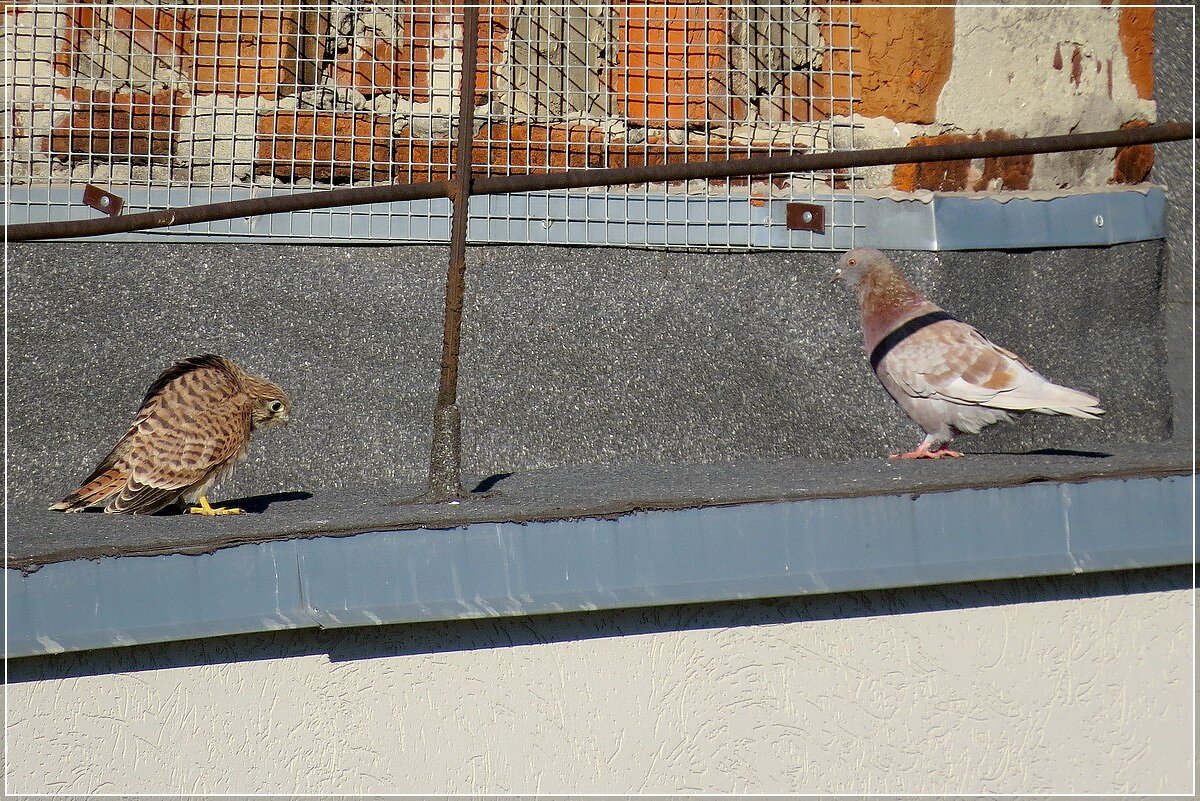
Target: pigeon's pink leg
(922,452)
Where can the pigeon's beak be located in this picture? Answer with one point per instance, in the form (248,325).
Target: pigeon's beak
(837,276)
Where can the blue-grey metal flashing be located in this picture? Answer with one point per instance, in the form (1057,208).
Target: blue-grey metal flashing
(716,553)
(921,221)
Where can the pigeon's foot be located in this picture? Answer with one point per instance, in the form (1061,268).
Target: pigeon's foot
(920,452)
(208,510)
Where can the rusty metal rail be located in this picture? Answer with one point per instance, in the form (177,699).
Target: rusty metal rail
(445,459)
(582,178)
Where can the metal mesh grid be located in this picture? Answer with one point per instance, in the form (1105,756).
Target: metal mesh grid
(174,104)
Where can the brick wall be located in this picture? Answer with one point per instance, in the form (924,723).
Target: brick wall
(369,93)
(365,92)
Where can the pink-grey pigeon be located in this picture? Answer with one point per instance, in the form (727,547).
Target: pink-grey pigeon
(944,374)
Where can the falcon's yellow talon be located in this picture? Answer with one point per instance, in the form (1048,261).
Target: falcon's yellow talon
(207,509)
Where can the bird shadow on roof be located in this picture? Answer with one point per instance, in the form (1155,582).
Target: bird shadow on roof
(1051,452)
(257,504)
(487,484)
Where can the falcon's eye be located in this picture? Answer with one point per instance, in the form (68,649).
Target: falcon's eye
(275,407)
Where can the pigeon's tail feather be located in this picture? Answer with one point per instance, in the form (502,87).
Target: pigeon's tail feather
(1051,399)
(94,493)
(1075,403)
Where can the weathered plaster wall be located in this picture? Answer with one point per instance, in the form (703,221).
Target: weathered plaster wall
(902,55)
(1038,71)
(1053,685)
(930,76)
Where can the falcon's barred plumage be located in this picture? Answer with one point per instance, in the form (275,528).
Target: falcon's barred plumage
(193,429)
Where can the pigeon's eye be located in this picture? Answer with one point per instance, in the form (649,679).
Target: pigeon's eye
(275,407)
(851,262)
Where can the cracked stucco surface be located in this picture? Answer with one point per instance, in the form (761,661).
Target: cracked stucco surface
(983,688)
(1021,60)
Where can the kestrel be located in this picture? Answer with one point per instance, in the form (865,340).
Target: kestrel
(945,375)
(192,430)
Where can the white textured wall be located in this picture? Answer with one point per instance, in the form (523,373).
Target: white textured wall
(1076,694)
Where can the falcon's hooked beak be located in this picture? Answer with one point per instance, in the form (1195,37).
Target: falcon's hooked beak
(837,276)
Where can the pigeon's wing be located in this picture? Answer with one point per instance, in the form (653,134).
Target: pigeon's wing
(951,361)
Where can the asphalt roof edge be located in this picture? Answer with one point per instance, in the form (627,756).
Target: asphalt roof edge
(606,509)
(718,553)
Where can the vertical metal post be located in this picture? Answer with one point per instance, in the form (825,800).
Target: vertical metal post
(445,461)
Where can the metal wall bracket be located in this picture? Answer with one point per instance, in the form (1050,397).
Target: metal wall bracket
(806,217)
(103,201)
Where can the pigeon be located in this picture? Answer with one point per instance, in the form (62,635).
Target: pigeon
(946,376)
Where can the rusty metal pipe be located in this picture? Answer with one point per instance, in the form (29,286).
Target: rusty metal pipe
(226,210)
(842,159)
(445,462)
(582,178)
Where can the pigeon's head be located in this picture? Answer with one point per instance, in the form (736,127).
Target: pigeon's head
(855,264)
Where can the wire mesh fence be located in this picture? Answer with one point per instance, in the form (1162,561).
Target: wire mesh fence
(169,104)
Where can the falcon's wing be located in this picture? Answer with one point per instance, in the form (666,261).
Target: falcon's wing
(190,428)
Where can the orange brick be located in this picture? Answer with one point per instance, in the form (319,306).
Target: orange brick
(810,98)
(430,31)
(420,160)
(96,31)
(1132,164)
(536,149)
(518,149)
(157,30)
(654,153)
(370,67)
(937,176)
(246,52)
(902,53)
(323,145)
(422,30)
(672,65)
(648,153)
(494,24)
(104,125)
(1011,172)
(1136,31)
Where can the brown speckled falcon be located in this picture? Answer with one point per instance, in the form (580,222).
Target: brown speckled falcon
(192,430)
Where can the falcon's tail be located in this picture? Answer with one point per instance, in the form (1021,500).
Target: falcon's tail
(98,489)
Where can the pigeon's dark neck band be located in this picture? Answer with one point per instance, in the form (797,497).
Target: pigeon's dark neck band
(904,332)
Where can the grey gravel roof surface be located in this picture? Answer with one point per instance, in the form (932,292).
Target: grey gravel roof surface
(605,380)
